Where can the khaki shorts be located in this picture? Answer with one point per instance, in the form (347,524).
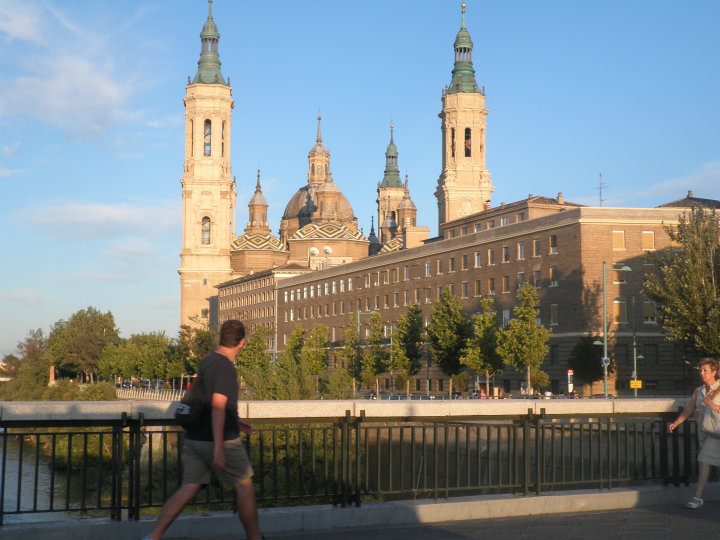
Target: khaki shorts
(198,462)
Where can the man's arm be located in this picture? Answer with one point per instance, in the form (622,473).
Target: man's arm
(218,404)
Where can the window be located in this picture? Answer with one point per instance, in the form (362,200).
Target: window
(648,240)
(491,285)
(521,216)
(553,276)
(536,247)
(222,140)
(406,297)
(505,220)
(491,224)
(417,296)
(396,299)
(406,273)
(349,288)
(367,280)
(620,310)
(537,278)
(207,138)
(428,269)
(553,314)
(468,142)
(204,281)
(520,251)
(505,317)
(506,284)
(451,264)
(386,301)
(464,289)
(553,244)
(466,230)
(438,267)
(618,240)
(619,276)
(649,313)
(478,227)
(377,302)
(452,142)
(506,254)
(386,277)
(428,295)
(478,287)
(491,256)
(464,265)
(477,259)
(520,279)
(206,230)
(453,233)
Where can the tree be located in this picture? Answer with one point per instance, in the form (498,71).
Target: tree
(314,355)
(480,352)
(586,361)
(375,357)
(523,342)
(289,368)
(406,350)
(255,366)
(351,353)
(686,281)
(447,332)
(32,375)
(75,344)
(9,366)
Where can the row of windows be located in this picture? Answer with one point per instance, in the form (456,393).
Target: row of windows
(249,314)
(250,286)
(327,288)
(249,300)
(647,240)
(502,221)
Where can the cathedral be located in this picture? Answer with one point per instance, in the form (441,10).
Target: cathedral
(318,228)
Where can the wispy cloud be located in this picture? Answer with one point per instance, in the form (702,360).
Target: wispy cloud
(98,277)
(9,150)
(22,296)
(71,67)
(4,173)
(131,250)
(87,220)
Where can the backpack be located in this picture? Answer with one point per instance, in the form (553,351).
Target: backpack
(191,412)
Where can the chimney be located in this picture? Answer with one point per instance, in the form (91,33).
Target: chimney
(560,198)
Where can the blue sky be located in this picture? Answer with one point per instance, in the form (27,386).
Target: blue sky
(91,121)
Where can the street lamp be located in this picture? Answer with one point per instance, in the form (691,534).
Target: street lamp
(606,358)
(636,356)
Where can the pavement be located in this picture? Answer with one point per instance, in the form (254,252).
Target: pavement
(652,512)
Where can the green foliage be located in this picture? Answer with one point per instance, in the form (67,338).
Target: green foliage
(74,345)
(32,374)
(102,391)
(539,379)
(685,285)
(586,360)
(289,368)
(62,390)
(375,358)
(447,332)
(523,342)
(406,350)
(351,353)
(480,352)
(9,366)
(314,356)
(255,366)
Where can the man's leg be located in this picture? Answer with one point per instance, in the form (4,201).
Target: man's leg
(172,507)
(247,510)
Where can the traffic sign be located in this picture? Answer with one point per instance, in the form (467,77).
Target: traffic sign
(636,383)
(605,361)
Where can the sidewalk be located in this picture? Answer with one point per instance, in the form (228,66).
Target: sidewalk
(643,513)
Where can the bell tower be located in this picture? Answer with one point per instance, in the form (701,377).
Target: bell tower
(208,188)
(464,186)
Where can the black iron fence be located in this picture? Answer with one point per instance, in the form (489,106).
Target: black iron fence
(119,467)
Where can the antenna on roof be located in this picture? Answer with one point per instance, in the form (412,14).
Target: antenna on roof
(601,185)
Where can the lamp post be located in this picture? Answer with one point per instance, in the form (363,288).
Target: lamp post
(606,358)
(636,356)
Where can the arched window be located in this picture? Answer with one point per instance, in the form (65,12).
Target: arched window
(222,140)
(468,142)
(312,169)
(192,138)
(208,133)
(206,230)
(452,142)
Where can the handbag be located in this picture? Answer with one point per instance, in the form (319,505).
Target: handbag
(711,419)
(190,413)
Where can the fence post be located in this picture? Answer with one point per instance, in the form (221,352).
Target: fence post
(358,461)
(134,451)
(526,451)
(116,477)
(539,447)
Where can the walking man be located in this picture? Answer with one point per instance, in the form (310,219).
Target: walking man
(216,446)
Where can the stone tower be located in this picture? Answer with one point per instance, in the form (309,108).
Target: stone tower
(208,188)
(390,192)
(464,186)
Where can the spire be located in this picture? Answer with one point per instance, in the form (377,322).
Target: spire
(319,134)
(406,203)
(209,64)
(258,197)
(318,159)
(392,173)
(463,73)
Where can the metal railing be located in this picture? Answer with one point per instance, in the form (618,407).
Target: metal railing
(121,466)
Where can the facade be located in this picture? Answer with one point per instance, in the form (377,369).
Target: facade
(321,269)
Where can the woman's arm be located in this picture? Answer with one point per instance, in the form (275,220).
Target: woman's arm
(685,414)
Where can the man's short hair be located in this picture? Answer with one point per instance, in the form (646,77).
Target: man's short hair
(232,332)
